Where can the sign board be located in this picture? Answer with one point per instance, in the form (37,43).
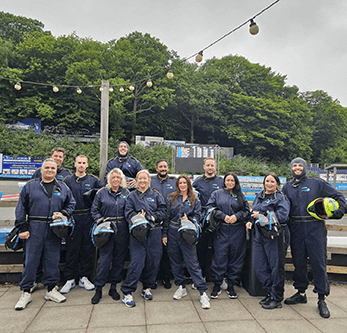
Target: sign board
(18,167)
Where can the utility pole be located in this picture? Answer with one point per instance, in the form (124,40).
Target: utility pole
(104,128)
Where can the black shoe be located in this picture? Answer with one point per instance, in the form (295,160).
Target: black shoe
(323,309)
(97,297)
(114,294)
(231,292)
(216,291)
(295,299)
(166,283)
(265,300)
(272,305)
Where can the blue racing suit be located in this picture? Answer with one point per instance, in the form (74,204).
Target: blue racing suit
(112,255)
(178,249)
(309,235)
(34,212)
(145,256)
(269,255)
(205,186)
(79,248)
(230,239)
(130,166)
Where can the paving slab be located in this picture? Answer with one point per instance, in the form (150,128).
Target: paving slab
(285,326)
(239,326)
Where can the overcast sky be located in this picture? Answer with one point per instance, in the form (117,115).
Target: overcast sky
(302,39)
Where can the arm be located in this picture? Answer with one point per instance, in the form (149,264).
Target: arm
(21,211)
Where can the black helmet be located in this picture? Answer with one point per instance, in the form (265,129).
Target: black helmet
(62,226)
(268,225)
(13,241)
(139,227)
(89,196)
(211,222)
(189,232)
(101,232)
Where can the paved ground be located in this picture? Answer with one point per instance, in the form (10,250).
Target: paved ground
(165,315)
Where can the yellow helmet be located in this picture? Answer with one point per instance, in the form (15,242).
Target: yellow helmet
(322,208)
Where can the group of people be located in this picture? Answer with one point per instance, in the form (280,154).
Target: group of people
(171,231)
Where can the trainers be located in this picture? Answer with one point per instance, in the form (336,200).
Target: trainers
(55,296)
(193,286)
(224,285)
(231,292)
(266,299)
(323,309)
(34,287)
(128,301)
(205,301)
(146,294)
(24,300)
(69,284)
(86,284)
(166,282)
(216,291)
(180,292)
(295,299)
(272,304)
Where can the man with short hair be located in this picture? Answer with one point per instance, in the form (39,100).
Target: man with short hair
(41,200)
(57,154)
(308,234)
(79,248)
(164,184)
(205,186)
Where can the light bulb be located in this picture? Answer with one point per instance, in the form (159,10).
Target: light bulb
(198,58)
(55,89)
(110,89)
(149,83)
(101,89)
(253,28)
(18,86)
(79,91)
(131,88)
(169,74)
(121,89)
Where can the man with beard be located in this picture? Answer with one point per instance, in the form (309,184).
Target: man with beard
(205,186)
(165,185)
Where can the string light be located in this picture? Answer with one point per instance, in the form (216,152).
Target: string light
(121,89)
(199,57)
(253,28)
(169,74)
(55,89)
(131,88)
(110,89)
(79,90)
(18,86)
(149,83)
(101,89)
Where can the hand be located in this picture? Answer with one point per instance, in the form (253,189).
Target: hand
(24,235)
(249,225)
(57,214)
(143,213)
(337,215)
(131,183)
(255,214)
(184,217)
(233,219)
(164,240)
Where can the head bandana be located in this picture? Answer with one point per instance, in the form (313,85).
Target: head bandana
(303,173)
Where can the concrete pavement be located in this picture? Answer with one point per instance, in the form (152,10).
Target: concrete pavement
(165,315)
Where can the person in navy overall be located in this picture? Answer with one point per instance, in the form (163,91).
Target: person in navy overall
(269,255)
(109,202)
(57,154)
(230,238)
(183,204)
(205,186)
(80,251)
(308,234)
(40,201)
(129,165)
(145,256)
(164,184)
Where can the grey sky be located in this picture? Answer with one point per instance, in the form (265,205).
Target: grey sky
(302,39)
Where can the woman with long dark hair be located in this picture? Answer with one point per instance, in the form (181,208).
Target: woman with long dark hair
(183,205)
(230,238)
(269,253)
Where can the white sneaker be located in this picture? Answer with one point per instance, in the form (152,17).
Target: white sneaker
(55,296)
(86,284)
(193,286)
(205,301)
(224,285)
(34,287)
(69,284)
(24,300)
(180,292)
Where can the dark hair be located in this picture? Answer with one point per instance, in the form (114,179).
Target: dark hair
(273,175)
(236,190)
(59,149)
(162,160)
(191,193)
